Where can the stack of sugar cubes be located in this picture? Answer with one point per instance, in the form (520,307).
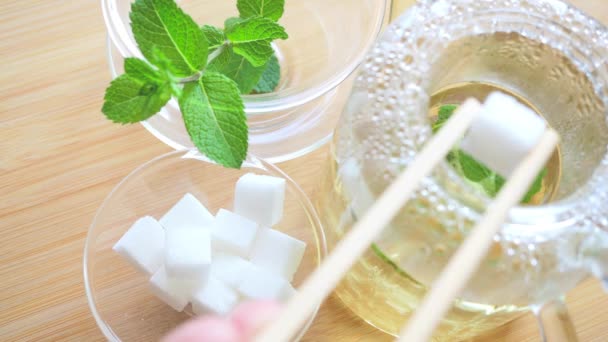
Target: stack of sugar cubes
(216,262)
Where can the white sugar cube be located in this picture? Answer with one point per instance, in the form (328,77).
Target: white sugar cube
(260,198)
(214,297)
(277,252)
(187,212)
(229,269)
(143,244)
(503,133)
(233,234)
(176,292)
(187,251)
(259,283)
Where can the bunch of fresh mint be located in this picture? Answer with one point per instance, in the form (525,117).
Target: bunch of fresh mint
(206,68)
(475,172)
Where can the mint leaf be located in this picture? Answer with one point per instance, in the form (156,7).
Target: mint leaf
(215,37)
(215,119)
(272,9)
(160,24)
(472,169)
(218,63)
(230,22)
(251,39)
(270,77)
(247,77)
(160,61)
(164,67)
(383,257)
(141,70)
(136,95)
(535,187)
(498,183)
(255,29)
(489,185)
(445,112)
(238,69)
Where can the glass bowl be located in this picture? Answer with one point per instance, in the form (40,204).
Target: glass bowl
(118,295)
(327,41)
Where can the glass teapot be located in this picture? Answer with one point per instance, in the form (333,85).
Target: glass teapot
(551,57)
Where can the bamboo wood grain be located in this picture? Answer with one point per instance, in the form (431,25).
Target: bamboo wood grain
(59,158)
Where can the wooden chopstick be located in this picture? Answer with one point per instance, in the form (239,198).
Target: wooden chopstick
(467,258)
(320,284)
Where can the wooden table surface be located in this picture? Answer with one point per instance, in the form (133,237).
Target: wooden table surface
(59,158)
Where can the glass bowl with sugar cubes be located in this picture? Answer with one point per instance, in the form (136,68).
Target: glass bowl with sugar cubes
(181,236)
